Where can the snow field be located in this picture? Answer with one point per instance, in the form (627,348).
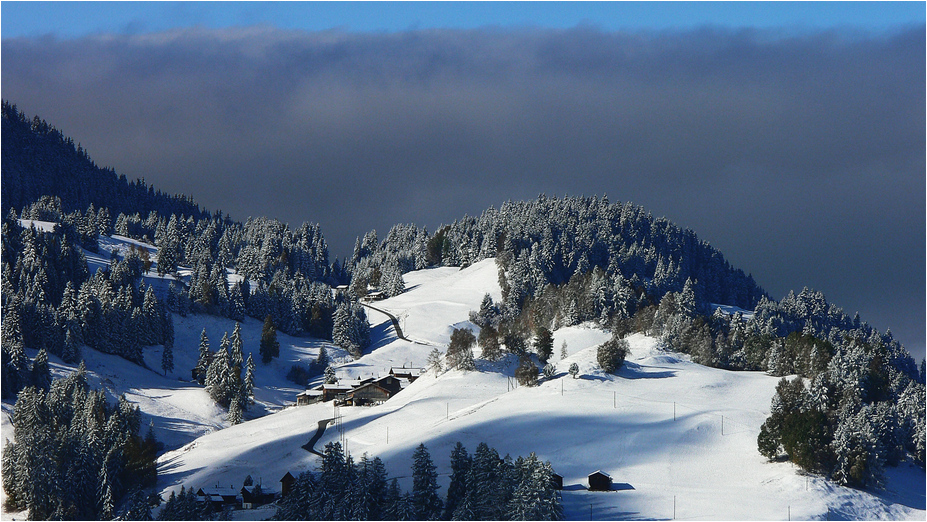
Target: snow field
(690,467)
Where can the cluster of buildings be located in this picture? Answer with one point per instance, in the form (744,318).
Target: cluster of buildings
(362,392)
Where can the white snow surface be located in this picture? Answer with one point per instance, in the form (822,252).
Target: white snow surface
(655,427)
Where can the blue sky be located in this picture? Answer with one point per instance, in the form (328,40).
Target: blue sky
(74,19)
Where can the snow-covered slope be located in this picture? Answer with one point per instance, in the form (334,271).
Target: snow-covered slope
(180,409)
(679,439)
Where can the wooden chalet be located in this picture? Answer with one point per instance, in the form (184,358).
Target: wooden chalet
(391,383)
(255,497)
(556,481)
(308,397)
(219,497)
(286,483)
(600,481)
(370,393)
(409,374)
(332,391)
(359,392)
(376,295)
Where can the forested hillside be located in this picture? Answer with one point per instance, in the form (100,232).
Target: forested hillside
(38,160)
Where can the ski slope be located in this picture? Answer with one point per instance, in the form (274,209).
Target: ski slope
(678,439)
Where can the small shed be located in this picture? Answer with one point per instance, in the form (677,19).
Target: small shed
(600,481)
(556,481)
(286,483)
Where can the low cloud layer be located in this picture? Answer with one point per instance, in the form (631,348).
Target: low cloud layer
(801,157)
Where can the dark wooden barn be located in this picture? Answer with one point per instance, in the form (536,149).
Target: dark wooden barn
(286,483)
(600,481)
(556,481)
(389,383)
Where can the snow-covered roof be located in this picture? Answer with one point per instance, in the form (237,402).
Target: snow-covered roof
(310,393)
(219,491)
(600,472)
(337,386)
(415,372)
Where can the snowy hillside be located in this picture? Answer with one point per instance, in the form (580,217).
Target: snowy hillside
(180,409)
(678,439)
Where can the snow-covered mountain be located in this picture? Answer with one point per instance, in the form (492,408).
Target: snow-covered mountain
(678,439)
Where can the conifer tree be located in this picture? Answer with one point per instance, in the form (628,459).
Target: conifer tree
(270,347)
(247,394)
(41,374)
(236,348)
(330,377)
(202,364)
(527,371)
(435,362)
(460,350)
(457,490)
(235,413)
(167,356)
(489,343)
(611,354)
(425,500)
(217,376)
(321,361)
(544,344)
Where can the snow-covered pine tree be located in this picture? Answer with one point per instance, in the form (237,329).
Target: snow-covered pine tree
(321,361)
(435,363)
(611,354)
(41,374)
(202,363)
(246,396)
(489,343)
(218,380)
(544,344)
(460,350)
(330,377)
(574,370)
(167,355)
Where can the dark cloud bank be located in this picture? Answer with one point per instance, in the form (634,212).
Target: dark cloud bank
(801,157)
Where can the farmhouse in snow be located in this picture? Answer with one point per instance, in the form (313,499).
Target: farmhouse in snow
(362,391)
